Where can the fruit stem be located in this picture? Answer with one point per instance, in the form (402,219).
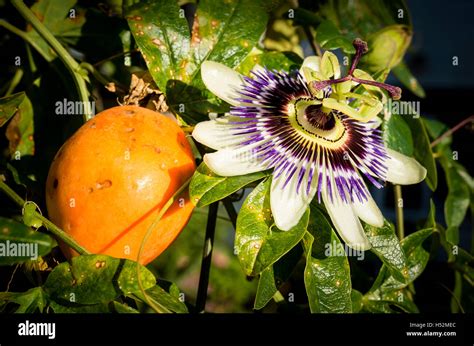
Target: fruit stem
(58,232)
(71,64)
(163,210)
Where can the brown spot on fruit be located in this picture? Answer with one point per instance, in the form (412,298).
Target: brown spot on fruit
(55,183)
(103,184)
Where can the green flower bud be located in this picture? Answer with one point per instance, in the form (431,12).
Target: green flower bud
(387,47)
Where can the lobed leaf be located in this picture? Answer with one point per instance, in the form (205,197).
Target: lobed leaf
(30,301)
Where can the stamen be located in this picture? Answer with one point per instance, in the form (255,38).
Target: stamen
(395,92)
(361,48)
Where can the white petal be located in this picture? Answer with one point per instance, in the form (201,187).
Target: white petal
(403,169)
(222,81)
(230,162)
(346,222)
(216,134)
(368,211)
(287,205)
(312,62)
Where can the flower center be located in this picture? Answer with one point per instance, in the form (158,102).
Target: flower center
(318,118)
(310,117)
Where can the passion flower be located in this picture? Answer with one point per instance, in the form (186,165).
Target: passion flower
(317,134)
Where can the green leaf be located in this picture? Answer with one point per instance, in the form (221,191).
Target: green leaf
(274,276)
(357,303)
(457,201)
(19,243)
(386,246)
(224,32)
(460,185)
(163,299)
(387,291)
(9,105)
(397,135)
(58,19)
(327,274)
(417,258)
(102,308)
(93,279)
(280,61)
(258,242)
(206,187)
(404,75)
(361,17)
(20,130)
(162,34)
(329,37)
(28,302)
(221,33)
(122,308)
(383,302)
(422,150)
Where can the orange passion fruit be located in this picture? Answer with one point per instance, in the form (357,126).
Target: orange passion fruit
(108,182)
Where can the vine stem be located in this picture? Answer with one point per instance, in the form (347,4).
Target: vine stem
(314,46)
(15,81)
(155,306)
(71,64)
(452,130)
(397,189)
(207,257)
(58,232)
(229,207)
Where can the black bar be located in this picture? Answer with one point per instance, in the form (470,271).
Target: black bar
(287,329)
